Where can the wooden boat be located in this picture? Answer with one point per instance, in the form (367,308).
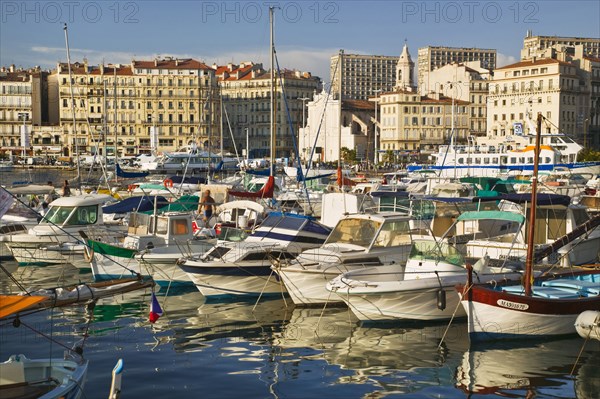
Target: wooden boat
(544,309)
(21,377)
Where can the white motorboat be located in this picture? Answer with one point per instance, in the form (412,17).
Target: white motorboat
(152,247)
(421,290)
(193,161)
(356,242)
(66,217)
(244,268)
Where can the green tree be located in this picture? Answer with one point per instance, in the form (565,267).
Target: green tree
(348,155)
(587,155)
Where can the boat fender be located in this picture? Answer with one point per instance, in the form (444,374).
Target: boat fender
(131,187)
(168,183)
(441,299)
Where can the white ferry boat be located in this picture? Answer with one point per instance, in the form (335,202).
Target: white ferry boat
(492,157)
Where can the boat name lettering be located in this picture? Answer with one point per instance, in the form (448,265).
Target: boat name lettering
(512,305)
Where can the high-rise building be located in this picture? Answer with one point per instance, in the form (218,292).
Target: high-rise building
(545,46)
(431,57)
(363,75)
(245,90)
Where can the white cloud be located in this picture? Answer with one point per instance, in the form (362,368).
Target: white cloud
(503,59)
(315,61)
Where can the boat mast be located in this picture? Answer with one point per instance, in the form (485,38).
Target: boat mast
(272,92)
(340,75)
(73,107)
(532,211)
(115,107)
(105,129)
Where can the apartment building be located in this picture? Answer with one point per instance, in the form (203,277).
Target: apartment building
(546,46)
(550,86)
(116,106)
(433,57)
(16,108)
(363,75)
(413,123)
(466,82)
(245,91)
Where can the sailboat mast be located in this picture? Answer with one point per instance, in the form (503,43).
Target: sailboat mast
(105,126)
(73,107)
(272,76)
(532,211)
(115,107)
(340,75)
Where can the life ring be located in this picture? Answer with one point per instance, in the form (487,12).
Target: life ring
(131,187)
(168,183)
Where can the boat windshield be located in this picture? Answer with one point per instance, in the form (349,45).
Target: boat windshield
(439,252)
(72,215)
(354,231)
(393,233)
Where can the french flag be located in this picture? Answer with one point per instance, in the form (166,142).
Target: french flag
(155,309)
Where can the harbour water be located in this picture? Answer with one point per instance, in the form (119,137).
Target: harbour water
(275,350)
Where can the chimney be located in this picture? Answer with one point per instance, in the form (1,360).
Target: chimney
(176,61)
(156,62)
(12,68)
(230,67)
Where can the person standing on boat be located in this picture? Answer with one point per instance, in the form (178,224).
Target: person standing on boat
(66,190)
(207,205)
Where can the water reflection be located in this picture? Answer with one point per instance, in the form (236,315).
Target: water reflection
(518,369)
(195,324)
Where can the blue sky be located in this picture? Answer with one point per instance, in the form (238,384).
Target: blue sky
(307,33)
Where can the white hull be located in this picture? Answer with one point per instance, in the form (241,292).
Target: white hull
(106,267)
(225,280)
(308,286)
(34,255)
(486,321)
(405,305)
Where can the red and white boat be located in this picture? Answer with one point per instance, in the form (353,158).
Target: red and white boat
(548,307)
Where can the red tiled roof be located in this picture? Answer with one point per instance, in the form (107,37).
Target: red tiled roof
(358,105)
(543,61)
(186,63)
(110,70)
(21,76)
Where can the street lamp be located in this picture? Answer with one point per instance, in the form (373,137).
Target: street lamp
(304,99)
